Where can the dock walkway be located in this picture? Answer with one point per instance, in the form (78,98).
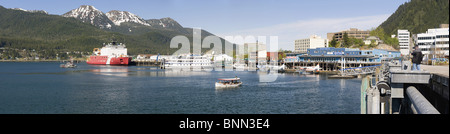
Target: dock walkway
(441,70)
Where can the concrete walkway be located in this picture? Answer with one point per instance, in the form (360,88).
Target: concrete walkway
(442,70)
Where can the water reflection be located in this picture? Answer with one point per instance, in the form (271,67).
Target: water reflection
(221,90)
(169,73)
(342,84)
(121,72)
(178,73)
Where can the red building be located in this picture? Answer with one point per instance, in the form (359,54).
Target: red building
(273,56)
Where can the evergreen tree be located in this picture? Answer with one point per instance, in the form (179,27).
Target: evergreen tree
(417,16)
(333,42)
(345,40)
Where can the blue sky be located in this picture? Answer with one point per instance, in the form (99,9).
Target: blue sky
(288,19)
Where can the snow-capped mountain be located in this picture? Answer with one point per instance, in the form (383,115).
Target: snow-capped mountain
(31,11)
(90,14)
(119,17)
(167,23)
(113,20)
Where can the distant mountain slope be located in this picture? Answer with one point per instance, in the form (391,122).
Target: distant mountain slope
(17,23)
(90,15)
(32,11)
(119,17)
(417,16)
(123,21)
(26,30)
(167,23)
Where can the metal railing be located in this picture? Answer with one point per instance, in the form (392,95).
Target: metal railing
(360,70)
(418,103)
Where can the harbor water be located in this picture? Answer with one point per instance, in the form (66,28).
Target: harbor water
(45,88)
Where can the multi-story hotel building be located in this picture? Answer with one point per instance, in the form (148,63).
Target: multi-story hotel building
(352,32)
(257,52)
(314,41)
(403,40)
(433,42)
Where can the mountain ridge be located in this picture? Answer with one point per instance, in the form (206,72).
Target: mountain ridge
(27,32)
(87,13)
(118,17)
(114,20)
(417,16)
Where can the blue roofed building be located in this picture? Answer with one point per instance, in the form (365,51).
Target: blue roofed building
(333,55)
(382,54)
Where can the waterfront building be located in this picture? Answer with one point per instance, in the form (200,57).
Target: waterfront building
(333,55)
(290,59)
(371,39)
(258,52)
(274,56)
(160,57)
(143,56)
(403,40)
(382,54)
(152,57)
(314,41)
(352,32)
(433,43)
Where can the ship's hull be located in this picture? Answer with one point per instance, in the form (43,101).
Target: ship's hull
(222,85)
(105,60)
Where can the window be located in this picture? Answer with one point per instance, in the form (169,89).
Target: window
(426,38)
(441,42)
(441,36)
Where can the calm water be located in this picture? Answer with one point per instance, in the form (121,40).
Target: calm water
(47,88)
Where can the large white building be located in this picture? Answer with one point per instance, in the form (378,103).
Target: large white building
(403,40)
(257,51)
(314,41)
(435,42)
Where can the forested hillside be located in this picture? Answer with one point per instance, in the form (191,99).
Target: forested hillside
(417,16)
(44,34)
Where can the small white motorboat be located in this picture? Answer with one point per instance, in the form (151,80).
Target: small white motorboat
(228,83)
(69,64)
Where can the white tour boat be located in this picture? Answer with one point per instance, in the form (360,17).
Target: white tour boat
(228,83)
(186,62)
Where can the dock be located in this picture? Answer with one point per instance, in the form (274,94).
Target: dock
(438,70)
(341,77)
(329,66)
(396,89)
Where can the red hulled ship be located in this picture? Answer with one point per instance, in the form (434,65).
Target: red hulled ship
(110,54)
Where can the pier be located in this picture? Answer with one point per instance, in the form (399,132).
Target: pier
(329,66)
(396,89)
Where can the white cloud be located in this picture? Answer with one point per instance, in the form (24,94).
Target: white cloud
(288,32)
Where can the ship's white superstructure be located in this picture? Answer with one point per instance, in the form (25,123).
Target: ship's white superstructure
(188,61)
(112,50)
